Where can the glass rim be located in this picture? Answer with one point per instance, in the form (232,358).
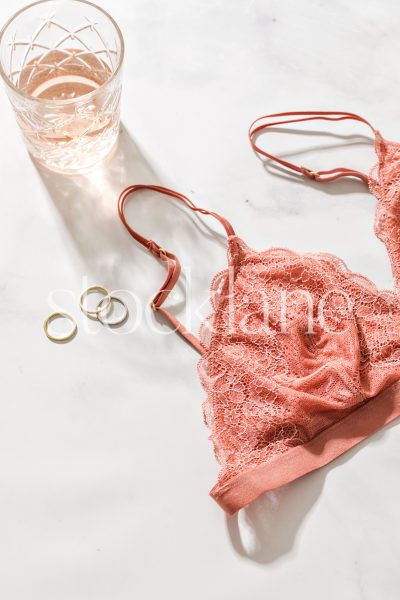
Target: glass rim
(62,102)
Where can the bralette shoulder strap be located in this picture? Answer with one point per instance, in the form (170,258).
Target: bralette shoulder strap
(168,258)
(261,124)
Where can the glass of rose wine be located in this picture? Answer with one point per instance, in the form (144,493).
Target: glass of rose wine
(61,61)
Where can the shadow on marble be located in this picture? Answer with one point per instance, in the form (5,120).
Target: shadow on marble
(87,203)
(268,528)
(340,186)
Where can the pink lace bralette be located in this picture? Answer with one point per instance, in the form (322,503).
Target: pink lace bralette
(300,358)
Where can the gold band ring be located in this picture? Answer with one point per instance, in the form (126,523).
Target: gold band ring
(91,290)
(60,338)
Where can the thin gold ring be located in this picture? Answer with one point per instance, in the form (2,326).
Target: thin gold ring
(66,336)
(90,290)
(120,320)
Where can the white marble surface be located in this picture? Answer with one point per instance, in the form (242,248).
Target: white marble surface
(105,465)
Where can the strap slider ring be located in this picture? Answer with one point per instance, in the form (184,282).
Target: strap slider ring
(156,249)
(308,173)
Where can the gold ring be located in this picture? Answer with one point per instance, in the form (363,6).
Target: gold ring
(118,321)
(90,290)
(66,336)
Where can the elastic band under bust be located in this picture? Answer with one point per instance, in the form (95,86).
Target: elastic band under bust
(171,261)
(259,125)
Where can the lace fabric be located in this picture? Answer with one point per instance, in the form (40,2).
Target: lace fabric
(270,389)
(384,183)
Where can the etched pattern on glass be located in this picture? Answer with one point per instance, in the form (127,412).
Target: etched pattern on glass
(64,94)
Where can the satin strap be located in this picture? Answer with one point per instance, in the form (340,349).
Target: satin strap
(168,258)
(262,123)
